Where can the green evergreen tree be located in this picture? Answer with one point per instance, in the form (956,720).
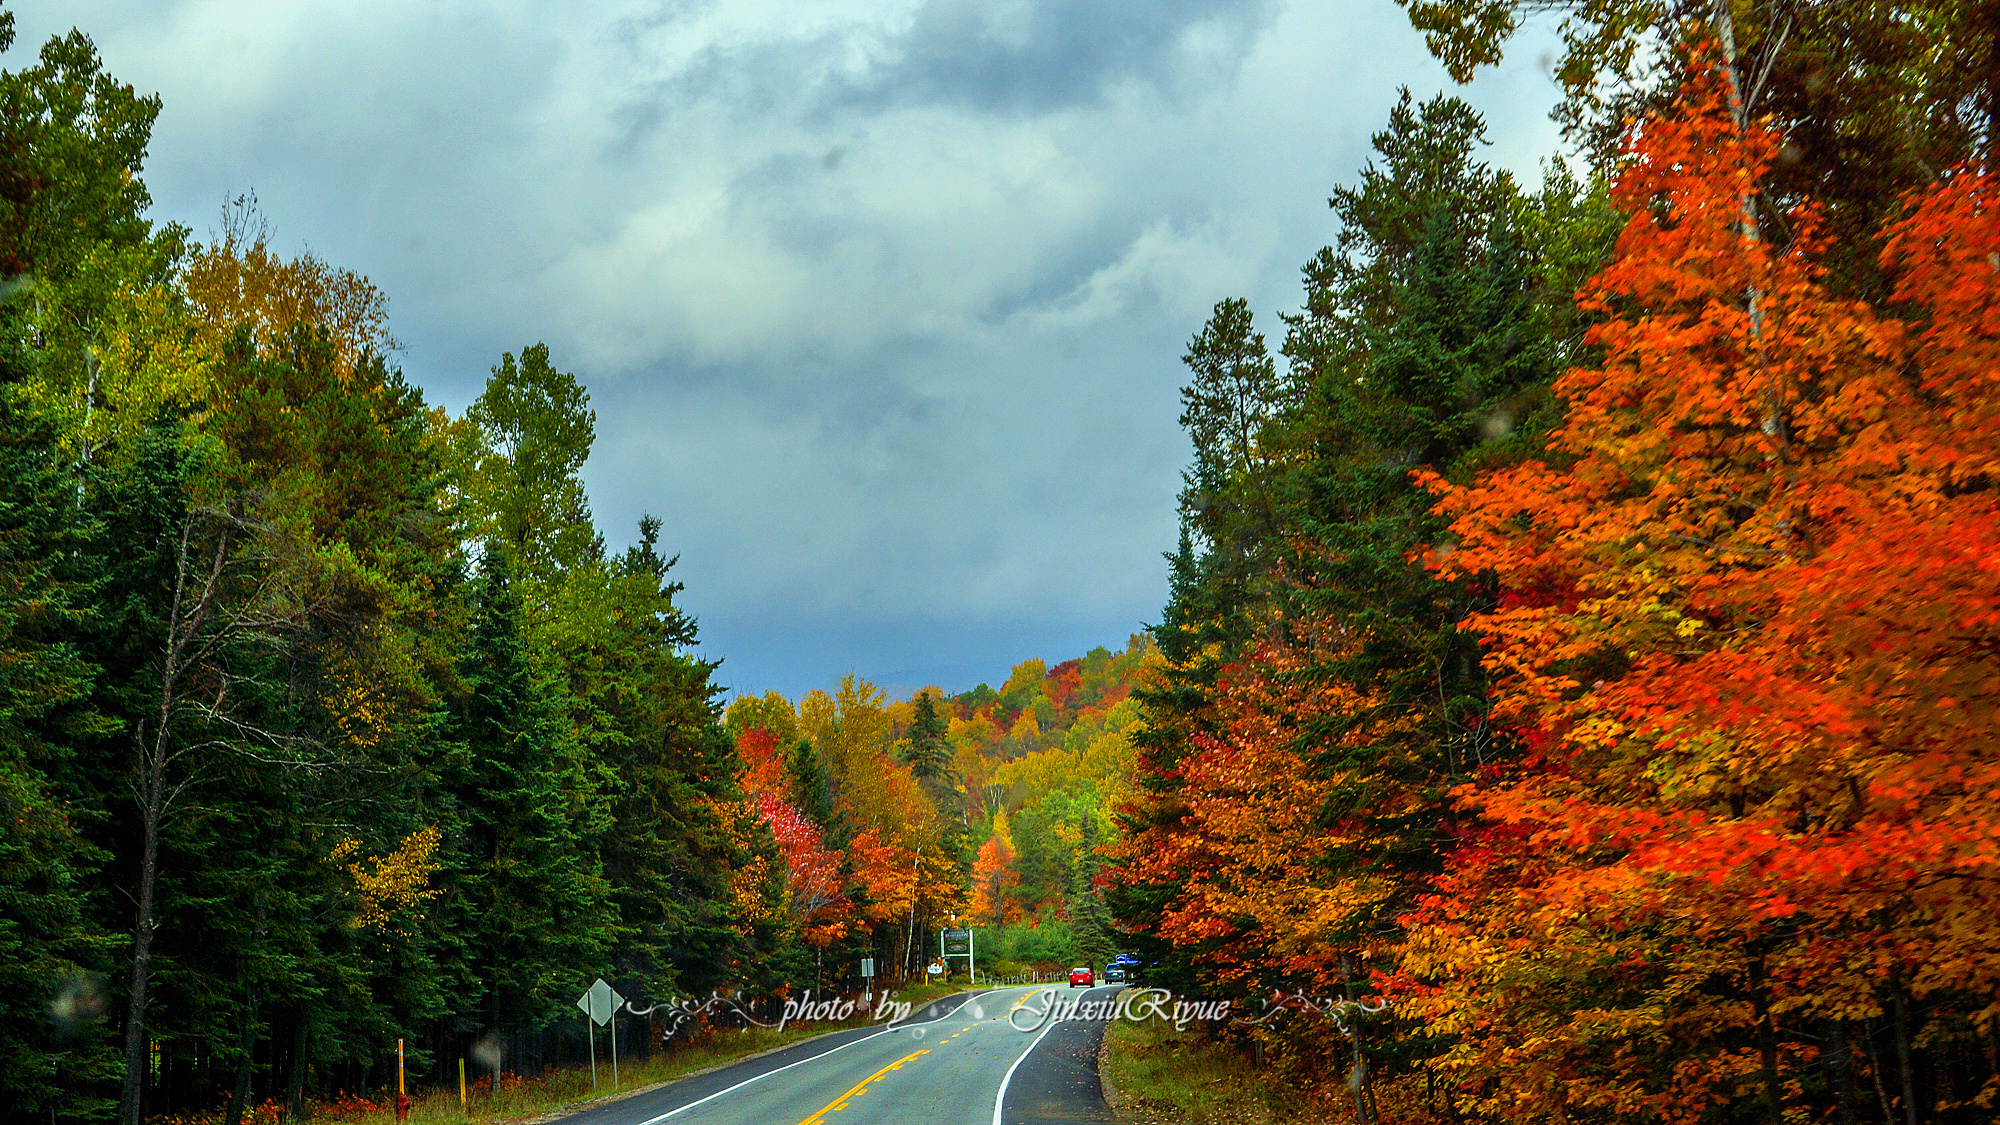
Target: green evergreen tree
(529,908)
(53,951)
(925,750)
(809,785)
(648,714)
(1429,336)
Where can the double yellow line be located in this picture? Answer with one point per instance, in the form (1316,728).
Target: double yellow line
(820,1117)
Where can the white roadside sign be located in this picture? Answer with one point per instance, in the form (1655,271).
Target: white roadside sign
(600,1002)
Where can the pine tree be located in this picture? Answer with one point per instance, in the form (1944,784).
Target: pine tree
(925,750)
(530,911)
(809,786)
(52,951)
(1422,343)
(647,710)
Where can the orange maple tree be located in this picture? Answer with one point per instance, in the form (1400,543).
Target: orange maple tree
(1751,645)
(994,882)
(763,762)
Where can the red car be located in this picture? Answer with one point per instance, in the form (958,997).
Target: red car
(1081,976)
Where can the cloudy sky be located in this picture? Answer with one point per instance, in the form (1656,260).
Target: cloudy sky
(880,305)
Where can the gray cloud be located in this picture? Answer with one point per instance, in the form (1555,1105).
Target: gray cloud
(1034,56)
(880,304)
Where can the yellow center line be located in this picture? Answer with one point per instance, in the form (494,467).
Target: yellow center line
(820,1117)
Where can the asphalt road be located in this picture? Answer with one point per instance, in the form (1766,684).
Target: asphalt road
(958,1062)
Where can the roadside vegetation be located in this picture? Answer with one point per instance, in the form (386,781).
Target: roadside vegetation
(521,1098)
(1161,1076)
(525,1098)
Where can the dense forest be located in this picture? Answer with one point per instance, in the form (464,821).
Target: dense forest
(1584,652)
(989,808)
(1582,656)
(326,718)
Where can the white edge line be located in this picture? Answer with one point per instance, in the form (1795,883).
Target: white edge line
(821,1055)
(1000,1099)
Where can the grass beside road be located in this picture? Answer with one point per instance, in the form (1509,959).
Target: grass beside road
(1162,1076)
(557,1092)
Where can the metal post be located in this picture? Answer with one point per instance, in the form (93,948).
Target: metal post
(614,1048)
(587,1034)
(971,961)
(402,1092)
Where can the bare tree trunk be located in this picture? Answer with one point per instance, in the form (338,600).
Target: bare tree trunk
(188,613)
(132,1094)
(1357,1078)
(1767,1060)
(1776,425)
(1875,1072)
(910,943)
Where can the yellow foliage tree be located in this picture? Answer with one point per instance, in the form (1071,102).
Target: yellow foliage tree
(391,890)
(238,283)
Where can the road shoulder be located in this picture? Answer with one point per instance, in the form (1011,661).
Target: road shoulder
(1058,1080)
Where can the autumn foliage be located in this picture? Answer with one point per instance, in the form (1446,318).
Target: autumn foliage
(1265,881)
(995,882)
(1751,641)
(1742,613)
(816,902)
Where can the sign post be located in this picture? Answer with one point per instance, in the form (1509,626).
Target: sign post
(600,1004)
(867,980)
(402,1094)
(958,943)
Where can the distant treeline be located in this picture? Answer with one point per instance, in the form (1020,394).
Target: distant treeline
(884,810)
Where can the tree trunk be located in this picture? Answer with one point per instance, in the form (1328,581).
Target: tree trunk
(1767,1058)
(1843,1072)
(155,754)
(240,1097)
(1901,1031)
(1357,1079)
(1767,1047)
(1875,1072)
(295,1081)
(131,1095)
